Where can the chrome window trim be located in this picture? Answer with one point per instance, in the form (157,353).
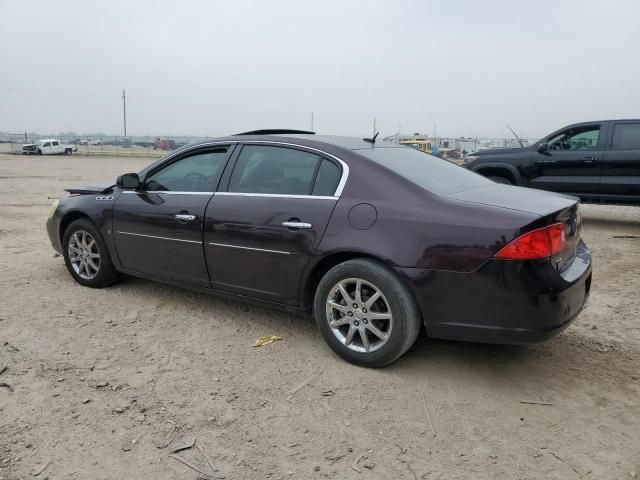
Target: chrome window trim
(272,195)
(339,188)
(162,192)
(249,248)
(160,238)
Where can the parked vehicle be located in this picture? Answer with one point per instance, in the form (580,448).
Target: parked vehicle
(49,146)
(373,239)
(596,161)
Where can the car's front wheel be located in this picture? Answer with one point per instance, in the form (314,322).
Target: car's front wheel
(86,255)
(366,313)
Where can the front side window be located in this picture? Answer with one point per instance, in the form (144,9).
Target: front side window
(277,170)
(626,136)
(199,172)
(47,144)
(581,138)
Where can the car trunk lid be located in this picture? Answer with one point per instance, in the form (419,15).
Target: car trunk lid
(551,207)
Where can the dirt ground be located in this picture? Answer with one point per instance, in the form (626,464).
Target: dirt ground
(105,383)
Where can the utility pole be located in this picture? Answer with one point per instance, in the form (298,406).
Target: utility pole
(124,112)
(374,126)
(312,121)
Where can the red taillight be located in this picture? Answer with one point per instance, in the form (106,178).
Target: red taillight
(540,243)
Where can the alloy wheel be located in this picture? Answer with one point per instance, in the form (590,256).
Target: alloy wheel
(84,255)
(359,315)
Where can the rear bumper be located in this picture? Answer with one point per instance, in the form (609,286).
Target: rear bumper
(503,301)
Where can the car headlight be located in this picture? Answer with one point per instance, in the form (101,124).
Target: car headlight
(471,158)
(53,207)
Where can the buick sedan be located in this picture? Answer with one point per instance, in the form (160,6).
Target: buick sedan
(373,239)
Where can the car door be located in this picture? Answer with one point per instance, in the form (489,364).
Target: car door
(55,147)
(621,160)
(261,231)
(46,148)
(569,160)
(158,228)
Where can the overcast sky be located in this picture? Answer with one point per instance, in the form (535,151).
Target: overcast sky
(218,67)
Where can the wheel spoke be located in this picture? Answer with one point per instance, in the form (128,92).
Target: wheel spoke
(376,331)
(91,243)
(372,299)
(365,339)
(378,316)
(338,322)
(358,293)
(341,308)
(92,264)
(349,337)
(345,295)
(74,259)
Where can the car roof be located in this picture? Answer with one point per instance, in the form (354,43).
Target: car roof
(349,143)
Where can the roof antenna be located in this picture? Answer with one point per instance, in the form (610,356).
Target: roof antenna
(371,140)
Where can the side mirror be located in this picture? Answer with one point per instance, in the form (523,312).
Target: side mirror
(128,181)
(544,148)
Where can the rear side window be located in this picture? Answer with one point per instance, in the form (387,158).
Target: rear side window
(55,144)
(327,179)
(431,173)
(626,136)
(274,170)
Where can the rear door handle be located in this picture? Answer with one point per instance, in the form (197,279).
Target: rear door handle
(183,217)
(589,159)
(297,225)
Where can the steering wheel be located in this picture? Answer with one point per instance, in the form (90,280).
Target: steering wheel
(195,181)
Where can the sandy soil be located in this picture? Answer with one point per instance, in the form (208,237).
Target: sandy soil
(106,382)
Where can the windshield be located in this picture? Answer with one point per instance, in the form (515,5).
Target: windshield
(431,173)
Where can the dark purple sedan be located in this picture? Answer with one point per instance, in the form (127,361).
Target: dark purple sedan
(373,239)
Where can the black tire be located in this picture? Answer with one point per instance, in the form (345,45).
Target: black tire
(39,152)
(106,274)
(502,180)
(402,305)
(67,151)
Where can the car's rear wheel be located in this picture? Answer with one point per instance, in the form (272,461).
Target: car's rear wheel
(86,255)
(365,313)
(500,179)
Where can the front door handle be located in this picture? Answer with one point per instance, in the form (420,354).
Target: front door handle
(183,217)
(589,159)
(296,225)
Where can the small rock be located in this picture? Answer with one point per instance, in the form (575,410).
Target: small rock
(86,400)
(61,379)
(102,384)
(635,377)
(118,410)
(141,418)
(633,474)
(594,327)
(369,465)
(347,423)
(216,379)
(316,468)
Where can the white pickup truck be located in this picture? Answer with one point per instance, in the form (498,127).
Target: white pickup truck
(48,146)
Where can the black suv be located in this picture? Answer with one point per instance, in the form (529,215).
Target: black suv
(596,161)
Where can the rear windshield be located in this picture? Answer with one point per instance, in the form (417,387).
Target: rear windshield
(431,173)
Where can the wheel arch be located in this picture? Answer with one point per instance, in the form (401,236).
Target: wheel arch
(317,270)
(499,169)
(70,217)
